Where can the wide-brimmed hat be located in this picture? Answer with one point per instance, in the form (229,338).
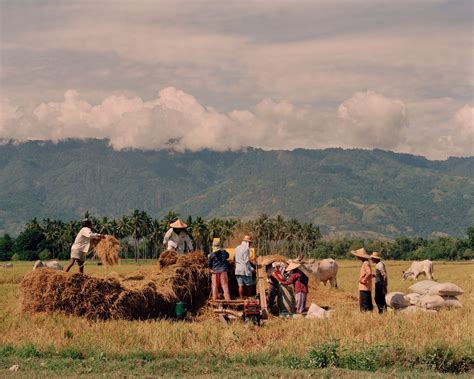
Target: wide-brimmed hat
(376,255)
(361,253)
(247,238)
(86,221)
(178,224)
(292,266)
(216,244)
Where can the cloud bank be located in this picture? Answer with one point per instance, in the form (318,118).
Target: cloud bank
(177,120)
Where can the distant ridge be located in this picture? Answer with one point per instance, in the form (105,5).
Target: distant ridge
(346,192)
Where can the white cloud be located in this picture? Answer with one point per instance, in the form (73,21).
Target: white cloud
(177,120)
(372,120)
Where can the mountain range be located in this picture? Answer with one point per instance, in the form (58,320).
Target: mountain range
(371,193)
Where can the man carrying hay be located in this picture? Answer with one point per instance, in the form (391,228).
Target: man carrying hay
(219,266)
(177,238)
(81,245)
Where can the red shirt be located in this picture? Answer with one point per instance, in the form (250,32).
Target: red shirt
(300,281)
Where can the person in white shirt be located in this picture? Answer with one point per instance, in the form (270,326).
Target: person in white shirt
(177,238)
(81,245)
(243,268)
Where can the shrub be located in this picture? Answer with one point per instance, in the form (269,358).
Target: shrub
(366,360)
(44,255)
(6,350)
(15,257)
(72,353)
(443,358)
(324,355)
(28,351)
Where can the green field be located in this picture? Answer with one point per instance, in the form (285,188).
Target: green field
(349,343)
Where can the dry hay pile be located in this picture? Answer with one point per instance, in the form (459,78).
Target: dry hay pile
(107,250)
(146,295)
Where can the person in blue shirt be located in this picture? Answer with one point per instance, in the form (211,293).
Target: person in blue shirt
(219,266)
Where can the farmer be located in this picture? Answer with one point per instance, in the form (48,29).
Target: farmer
(219,266)
(381,281)
(276,277)
(81,245)
(365,281)
(300,281)
(177,238)
(243,269)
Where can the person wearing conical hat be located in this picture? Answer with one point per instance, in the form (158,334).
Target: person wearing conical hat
(243,269)
(177,238)
(365,281)
(381,281)
(300,281)
(219,266)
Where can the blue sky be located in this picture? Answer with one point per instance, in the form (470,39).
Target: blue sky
(222,75)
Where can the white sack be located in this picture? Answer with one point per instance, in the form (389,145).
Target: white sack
(396,300)
(432,302)
(445,289)
(413,298)
(422,287)
(316,311)
(451,302)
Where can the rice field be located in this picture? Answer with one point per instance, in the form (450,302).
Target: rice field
(280,346)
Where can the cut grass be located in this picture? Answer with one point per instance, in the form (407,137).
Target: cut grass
(77,344)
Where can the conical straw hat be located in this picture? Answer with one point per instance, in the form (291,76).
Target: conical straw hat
(178,224)
(292,266)
(247,238)
(376,255)
(361,253)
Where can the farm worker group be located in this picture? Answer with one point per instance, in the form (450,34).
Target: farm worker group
(82,244)
(365,281)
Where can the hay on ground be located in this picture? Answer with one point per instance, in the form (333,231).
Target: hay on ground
(168,258)
(107,250)
(146,295)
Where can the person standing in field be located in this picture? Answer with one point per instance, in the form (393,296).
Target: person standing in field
(81,245)
(276,277)
(177,238)
(381,281)
(300,281)
(365,281)
(243,269)
(219,266)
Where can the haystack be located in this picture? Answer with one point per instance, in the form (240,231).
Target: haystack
(107,250)
(146,295)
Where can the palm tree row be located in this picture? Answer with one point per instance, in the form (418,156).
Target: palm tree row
(142,234)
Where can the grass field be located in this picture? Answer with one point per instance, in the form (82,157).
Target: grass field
(403,345)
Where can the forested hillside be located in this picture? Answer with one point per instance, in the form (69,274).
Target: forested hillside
(351,192)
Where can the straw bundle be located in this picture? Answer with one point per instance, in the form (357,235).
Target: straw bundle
(107,250)
(144,295)
(168,258)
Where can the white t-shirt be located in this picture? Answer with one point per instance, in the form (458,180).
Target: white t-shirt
(83,240)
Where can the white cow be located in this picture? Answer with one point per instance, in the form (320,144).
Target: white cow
(324,271)
(419,267)
(55,265)
(7,265)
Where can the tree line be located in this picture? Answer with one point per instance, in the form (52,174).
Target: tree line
(141,236)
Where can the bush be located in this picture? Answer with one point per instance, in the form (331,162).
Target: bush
(44,255)
(367,360)
(28,351)
(443,358)
(324,355)
(6,350)
(15,257)
(72,353)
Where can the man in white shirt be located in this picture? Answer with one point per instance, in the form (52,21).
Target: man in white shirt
(177,238)
(243,268)
(81,245)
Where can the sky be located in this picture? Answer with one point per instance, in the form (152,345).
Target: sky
(222,75)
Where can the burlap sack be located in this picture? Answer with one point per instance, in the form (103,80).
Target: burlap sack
(414,298)
(432,302)
(409,309)
(396,300)
(451,302)
(445,289)
(422,287)
(316,311)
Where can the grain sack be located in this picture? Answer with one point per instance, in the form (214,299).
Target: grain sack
(445,289)
(396,300)
(451,302)
(315,311)
(432,302)
(413,298)
(422,287)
